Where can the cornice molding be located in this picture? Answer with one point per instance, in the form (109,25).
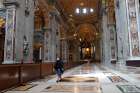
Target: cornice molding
(9,3)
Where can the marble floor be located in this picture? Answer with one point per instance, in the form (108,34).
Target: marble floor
(89,78)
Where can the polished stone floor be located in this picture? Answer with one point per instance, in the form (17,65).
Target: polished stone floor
(89,78)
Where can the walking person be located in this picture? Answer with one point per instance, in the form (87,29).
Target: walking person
(59,68)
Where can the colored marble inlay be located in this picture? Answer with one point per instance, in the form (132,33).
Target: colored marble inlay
(79,79)
(132,12)
(116,79)
(9,37)
(129,88)
(73,89)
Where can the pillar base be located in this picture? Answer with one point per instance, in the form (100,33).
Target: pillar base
(113,61)
(135,61)
(8,62)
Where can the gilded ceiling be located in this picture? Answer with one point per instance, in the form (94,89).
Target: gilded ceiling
(85,25)
(85,20)
(68,9)
(87,32)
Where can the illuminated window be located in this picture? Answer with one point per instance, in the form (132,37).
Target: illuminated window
(91,10)
(77,10)
(84,10)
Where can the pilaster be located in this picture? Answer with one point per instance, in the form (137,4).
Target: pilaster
(10,34)
(105,41)
(122,31)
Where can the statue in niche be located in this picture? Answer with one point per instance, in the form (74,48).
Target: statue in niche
(8,51)
(118,4)
(27,12)
(25,46)
(135,51)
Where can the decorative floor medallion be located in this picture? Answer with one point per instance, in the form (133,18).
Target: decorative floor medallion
(117,79)
(79,79)
(73,89)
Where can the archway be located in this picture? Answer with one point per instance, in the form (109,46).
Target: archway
(89,42)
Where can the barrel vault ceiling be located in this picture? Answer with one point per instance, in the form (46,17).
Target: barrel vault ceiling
(68,10)
(86,24)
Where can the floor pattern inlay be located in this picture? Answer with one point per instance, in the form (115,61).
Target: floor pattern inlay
(24,87)
(129,88)
(73,89)
(79,79)
(116,79)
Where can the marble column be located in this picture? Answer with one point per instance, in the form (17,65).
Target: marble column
(46,45)
(58,40)
(105,42)
(64,49)
(97,50)
(1,4)
(53,38)
(24,32)
(29,29)
(113,43)
(122,31)
(48,40)
(49,46)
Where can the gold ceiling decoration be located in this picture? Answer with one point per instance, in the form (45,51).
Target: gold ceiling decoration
(2,22)
(87,32)
(68,7)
